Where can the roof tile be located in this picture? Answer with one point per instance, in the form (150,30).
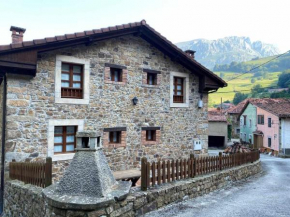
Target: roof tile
(80,34)
(70,36)
(50,39)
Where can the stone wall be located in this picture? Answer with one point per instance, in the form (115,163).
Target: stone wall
(1,119)
(27,200)
(31,104)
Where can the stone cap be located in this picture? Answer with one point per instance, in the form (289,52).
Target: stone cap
(93,134)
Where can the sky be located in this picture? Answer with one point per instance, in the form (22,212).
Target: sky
(177,20)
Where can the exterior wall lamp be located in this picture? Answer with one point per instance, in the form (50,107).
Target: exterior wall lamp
(200,102)
(135,100)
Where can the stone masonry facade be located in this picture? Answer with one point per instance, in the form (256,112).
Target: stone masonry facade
(31,105)
(27,200)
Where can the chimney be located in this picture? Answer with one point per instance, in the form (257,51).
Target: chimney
(190,53)
(17,34)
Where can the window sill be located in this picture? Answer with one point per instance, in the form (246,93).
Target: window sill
(179,105)
(60,157)
(115,82)
(150,86)
(72,101)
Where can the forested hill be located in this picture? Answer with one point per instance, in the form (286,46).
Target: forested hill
(227,50)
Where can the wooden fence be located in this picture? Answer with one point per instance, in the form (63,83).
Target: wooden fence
(159,172)
(34,173)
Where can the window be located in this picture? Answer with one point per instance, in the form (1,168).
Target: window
(115,137)
(269,142)
(269,122)
(245,120)
(261,119)
(250,122)
(71,81)
(64,139)
(151,79)
(237,131)
(150,135)
(116,74)
(178,90)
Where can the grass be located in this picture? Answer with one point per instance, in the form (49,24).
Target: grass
(242,84)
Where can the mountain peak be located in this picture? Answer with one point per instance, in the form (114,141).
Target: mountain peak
(228,49)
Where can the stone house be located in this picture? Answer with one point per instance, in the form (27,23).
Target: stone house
(137,90)
(266,124)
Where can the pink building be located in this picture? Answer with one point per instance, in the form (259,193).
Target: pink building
(268,123)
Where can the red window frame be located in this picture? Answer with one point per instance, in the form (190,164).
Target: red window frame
(178,98)
(64,134)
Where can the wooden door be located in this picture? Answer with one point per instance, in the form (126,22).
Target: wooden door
(258,141)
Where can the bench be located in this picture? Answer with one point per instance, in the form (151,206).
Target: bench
(132,175)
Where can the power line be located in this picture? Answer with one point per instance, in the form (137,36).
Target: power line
(259,66)
(235,91)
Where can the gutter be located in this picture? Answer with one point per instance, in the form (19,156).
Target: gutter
(3,138)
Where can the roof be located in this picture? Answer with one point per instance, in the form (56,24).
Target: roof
(279,107)
(216,115)
(238,108)
(141,29)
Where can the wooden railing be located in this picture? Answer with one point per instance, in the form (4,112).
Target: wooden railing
(70,92)
(159,172)
(34,173)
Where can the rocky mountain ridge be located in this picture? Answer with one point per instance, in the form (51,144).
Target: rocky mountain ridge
(228,49)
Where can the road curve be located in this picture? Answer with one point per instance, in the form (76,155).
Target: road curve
(266,194)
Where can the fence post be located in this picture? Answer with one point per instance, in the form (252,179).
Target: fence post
(143,174)
(220,160)
(48,172)
(193,167)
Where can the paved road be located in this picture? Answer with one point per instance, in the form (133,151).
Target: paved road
(266,194)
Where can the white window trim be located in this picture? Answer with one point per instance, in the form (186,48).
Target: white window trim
(61,122)
(185,84)
(86,80)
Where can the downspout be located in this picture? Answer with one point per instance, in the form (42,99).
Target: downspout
(3,131)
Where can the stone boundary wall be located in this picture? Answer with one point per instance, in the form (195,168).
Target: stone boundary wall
(27,200)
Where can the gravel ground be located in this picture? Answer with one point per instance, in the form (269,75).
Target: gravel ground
(265,194)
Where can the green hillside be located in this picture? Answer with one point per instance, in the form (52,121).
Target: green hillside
(242,84)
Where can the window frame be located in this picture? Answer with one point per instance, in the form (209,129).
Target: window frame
(153,135)
(86,80)
(185,77)
(71,81)
(261,120)
(245,120)
(64,142)
(112,74)
(154,78)
(269,139)
(269,122)
(111,137)
(175,90)
(61,122)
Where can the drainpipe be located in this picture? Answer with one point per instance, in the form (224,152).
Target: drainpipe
(4,97)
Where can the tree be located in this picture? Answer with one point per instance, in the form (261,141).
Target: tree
(256,90)
(222,75)
(253,80)
(239,97)
(284,78)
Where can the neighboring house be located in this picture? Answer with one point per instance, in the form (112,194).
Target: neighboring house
(233,117)
(248,123)
(140,93)
(270,124)
(217,128)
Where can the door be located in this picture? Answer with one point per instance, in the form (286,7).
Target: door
(258,141)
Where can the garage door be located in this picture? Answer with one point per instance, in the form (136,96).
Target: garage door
(216,141)
(285,134)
